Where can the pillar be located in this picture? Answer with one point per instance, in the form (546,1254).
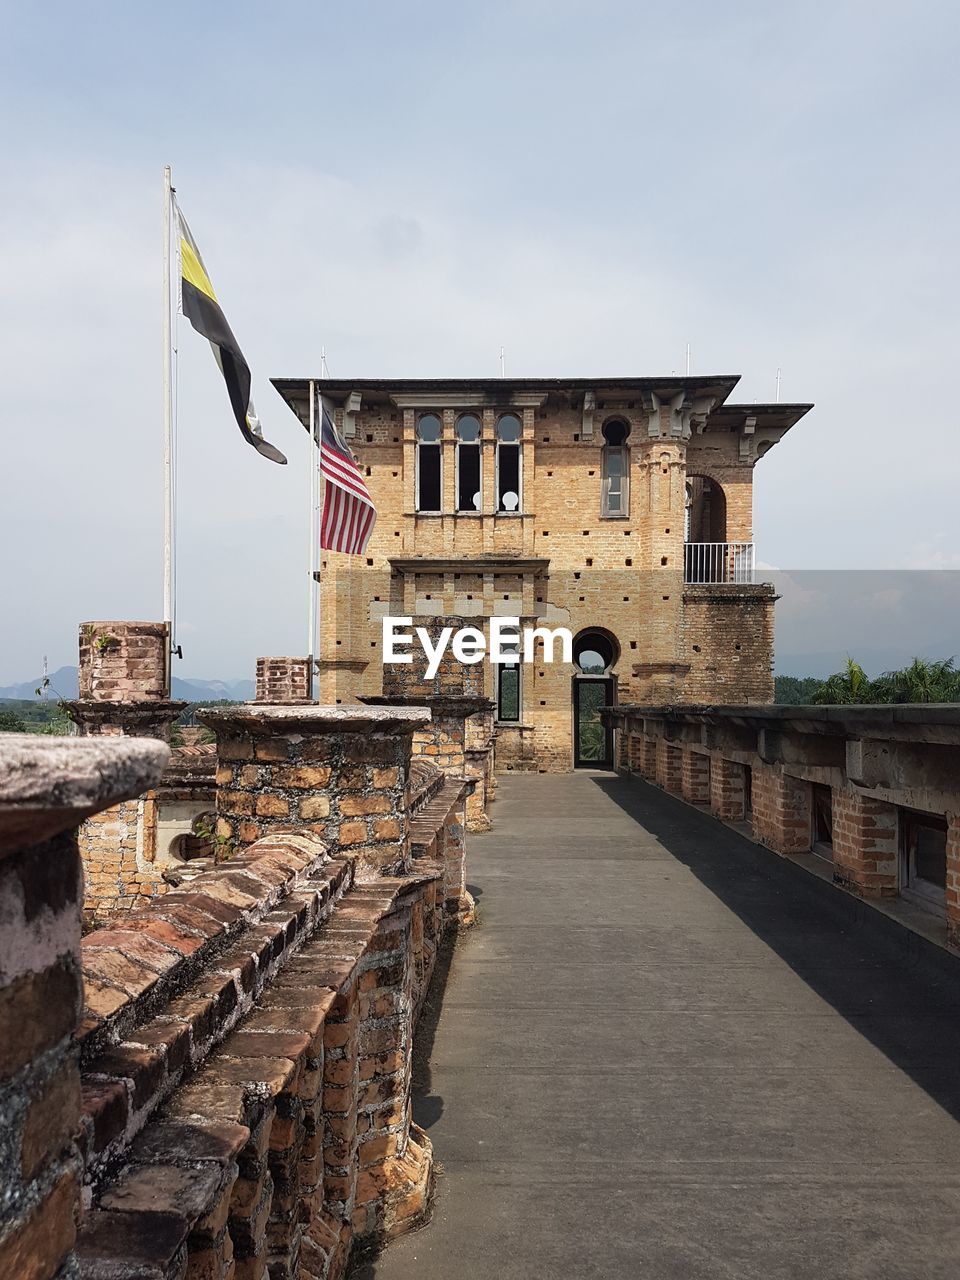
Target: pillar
(284,681)
(781,810)
(865,850)
(695,776)
(953,880)
(669,766)
(47,786)
(727,789)
(340,771)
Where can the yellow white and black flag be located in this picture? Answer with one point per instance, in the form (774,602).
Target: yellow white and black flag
(199,304)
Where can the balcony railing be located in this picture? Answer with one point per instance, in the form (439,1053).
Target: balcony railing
(710,562)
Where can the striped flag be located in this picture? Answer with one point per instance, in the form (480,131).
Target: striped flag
(348,515)
(199,304)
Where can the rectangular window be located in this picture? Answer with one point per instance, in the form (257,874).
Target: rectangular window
(509,496)
(508,692)
(615,480)
(429,469)
(923,854)
(468,477)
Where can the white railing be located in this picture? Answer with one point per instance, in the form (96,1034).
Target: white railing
(710,562)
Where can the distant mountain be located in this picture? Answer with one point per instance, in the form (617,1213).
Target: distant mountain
(63,684)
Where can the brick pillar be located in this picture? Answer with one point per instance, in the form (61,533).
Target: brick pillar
(284,681)
(953,880)
(695,776)
(47,786)
(124,692)
(669,766)
(727,789)
(647,758)
(340,771)
(781,810)
(865,853)
(478,764)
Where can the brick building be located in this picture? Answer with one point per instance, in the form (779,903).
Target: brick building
(620,508)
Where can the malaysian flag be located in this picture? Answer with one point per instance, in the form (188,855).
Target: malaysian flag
(349,515)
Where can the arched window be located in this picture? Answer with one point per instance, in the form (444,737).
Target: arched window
(508,463)
(615,492)
(706,511)
(594,653)
(469,474)
(429,487)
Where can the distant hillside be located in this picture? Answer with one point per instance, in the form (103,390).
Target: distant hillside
(63,684)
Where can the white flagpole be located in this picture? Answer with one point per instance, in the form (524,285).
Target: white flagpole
(319,581)
(312,531)
(167,423)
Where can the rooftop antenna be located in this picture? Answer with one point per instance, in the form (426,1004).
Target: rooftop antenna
(503,364)
(778,385)
(688,359)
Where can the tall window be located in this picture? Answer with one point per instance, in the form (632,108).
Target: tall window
(468,463)
(508,686)
(429,487)
(615,494)
(508,463)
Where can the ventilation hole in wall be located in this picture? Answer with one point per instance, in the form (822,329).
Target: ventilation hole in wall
(542,703)
(505,596)
(628,562)
(373,644)
(546,439)
(696,648)
(339,700)
(546,533)
(549,473)
(737,647)
(663,559)
(370,562)
(369,439)
(376,598)
(626,599)
(586,533)
(664,470)
(627,533)
(428,597)
(396,533)
(469,597)
(591,473)
(394,474)
(576,435)
(339,642)
(589,562)
(582,599)
(539,599)
(576,577)
(666,531)
(369,472)
(396,439)
(633,644)
(540,673)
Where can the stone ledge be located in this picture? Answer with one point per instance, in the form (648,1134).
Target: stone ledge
(264,719)
(50,784)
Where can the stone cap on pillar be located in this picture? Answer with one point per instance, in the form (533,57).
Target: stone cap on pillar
(313,719)
(441,705)
(49,784)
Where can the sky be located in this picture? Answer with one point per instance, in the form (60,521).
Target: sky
(409,186)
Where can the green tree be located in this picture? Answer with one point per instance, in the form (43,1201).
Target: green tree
(921,681)
(847,687)
(10,722)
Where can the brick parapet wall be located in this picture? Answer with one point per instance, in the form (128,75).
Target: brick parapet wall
(727,788)
(669,766)
(695,776)
(124,661)
(47,786)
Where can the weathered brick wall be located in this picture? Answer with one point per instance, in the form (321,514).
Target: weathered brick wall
(781,810)
(865,844)
(124,661)
(336,771)
(726,640)
(284,680)
(953,879)
(669,765)
(695,776)
(727,788)
(47,786)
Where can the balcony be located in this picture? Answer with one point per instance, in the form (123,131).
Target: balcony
(714,562)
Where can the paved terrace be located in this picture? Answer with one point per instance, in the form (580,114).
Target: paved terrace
(668,1053)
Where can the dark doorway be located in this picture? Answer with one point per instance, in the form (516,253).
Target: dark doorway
(592,739)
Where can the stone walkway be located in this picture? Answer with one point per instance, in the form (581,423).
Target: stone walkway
(667,1054)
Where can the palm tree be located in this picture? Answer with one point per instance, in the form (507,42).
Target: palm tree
(843,688)
(922,681)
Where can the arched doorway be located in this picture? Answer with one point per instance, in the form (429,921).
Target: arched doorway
(595,653)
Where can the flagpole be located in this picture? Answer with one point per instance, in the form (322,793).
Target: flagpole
(167,424)
(319,578)
(312,532)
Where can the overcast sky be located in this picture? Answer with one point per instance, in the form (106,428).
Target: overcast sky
(410,185)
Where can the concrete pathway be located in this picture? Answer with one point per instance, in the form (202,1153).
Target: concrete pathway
(667,1054)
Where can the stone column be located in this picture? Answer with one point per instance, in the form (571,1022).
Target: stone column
(284,681)
(47,786)
(124,692)
(340,771)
